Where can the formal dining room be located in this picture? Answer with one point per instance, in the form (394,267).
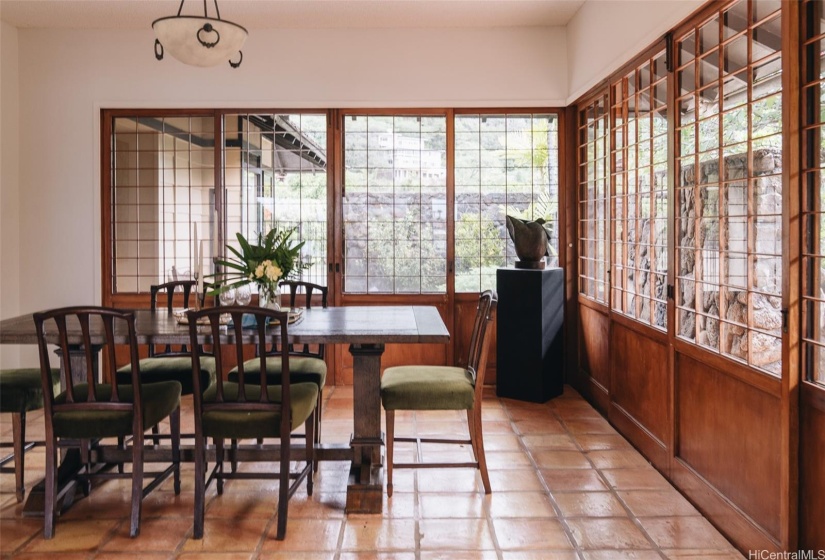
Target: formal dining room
(412,279)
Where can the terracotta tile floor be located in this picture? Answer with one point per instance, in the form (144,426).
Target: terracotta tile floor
(565,485)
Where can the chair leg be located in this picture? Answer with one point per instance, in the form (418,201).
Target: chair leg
(18,430)
(318,422)
(121,444)
(155,433)
(478,446)
(318,415)
(200,485)
(51,487)
(390,437)
(137,483)
(471,428)
(174,429)
(233,464)
(219,464)
(309,426)
(283,487)
(86,459)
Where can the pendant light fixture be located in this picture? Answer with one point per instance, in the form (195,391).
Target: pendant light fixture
(199,41)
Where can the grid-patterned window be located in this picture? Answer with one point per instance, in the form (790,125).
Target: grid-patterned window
(275,176)
(505,164)
(593,197)
(639,182)
(162,176)
(813,154)
(729,184)
(395,204)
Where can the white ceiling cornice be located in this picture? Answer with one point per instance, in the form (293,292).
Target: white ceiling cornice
(295,14)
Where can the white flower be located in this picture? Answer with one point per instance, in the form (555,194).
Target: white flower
(273,272)
(259,271)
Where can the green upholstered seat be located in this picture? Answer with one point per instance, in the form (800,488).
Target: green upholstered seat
(301,370)
(171,368)
(423,387)
(159,400)
(21,389)
(242,424)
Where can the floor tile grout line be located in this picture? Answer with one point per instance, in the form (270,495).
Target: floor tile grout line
(342,529)
(562,521)
(609,486)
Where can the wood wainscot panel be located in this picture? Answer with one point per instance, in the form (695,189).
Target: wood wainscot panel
(594,355)
(728,451)
(639,390)
(812,468)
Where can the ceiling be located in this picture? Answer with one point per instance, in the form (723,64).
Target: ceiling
(273,14)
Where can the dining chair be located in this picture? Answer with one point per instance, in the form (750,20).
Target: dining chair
(168,363)
(306,361)
(238,410)
(425,387)
(84,413)
(20,392)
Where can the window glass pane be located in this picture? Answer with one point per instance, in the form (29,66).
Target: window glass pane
(275,172)
(639,195)
(395,203)
(592,180)
(515,160)
(729,192)
(162,192)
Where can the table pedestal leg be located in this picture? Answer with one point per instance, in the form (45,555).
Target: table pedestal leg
(70,463)
(366,483)
(69,467)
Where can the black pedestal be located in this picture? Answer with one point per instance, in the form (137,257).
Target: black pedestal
(530,350)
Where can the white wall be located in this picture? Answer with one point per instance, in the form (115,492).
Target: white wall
(67,76)
(604,34)
(9,186)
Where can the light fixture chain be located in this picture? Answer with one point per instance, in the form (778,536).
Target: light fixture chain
(217,11)
(180,8)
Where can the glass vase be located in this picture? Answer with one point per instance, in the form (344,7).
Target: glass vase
(269,298)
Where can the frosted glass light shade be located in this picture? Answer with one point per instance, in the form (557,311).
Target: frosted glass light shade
(200,41)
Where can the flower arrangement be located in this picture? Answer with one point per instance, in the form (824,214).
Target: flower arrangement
(266,263)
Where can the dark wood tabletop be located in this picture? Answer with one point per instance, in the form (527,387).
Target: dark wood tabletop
(333,325)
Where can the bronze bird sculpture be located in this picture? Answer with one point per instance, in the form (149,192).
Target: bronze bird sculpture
(530,240)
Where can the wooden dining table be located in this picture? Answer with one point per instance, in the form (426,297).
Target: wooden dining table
(366,329)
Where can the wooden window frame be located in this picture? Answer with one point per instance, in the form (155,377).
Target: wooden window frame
(813,253)
(594,275)
(509,251)
(728,292)
(625,182)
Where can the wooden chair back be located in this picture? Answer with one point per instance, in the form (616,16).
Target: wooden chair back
(85,321)
(308,290)
(169,289)
(480,340)
(237,336)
